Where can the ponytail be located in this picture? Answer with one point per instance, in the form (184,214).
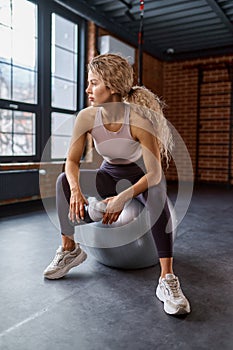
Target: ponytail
(149,106)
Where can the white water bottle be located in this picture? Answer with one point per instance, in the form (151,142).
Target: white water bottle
(96,209)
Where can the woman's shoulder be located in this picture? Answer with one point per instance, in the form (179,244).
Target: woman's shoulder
(85,119)
(87,113)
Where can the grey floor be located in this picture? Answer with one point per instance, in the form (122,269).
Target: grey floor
(98,308)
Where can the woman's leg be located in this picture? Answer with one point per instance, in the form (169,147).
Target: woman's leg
(105,187)
(161,226)
(69,254)
(155,199)
(63,205)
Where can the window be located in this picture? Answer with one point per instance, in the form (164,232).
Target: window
(64,69)
(18,77)
(17,133)
(64,63)
(62,126)
(41,71)
(18,64)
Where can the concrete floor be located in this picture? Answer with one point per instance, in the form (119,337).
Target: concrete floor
(98,308)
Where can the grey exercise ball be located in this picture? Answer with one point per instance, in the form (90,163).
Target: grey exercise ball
(127,243)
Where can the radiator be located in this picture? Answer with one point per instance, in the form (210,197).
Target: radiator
(16,184)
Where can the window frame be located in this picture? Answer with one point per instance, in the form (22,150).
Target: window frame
(43,109)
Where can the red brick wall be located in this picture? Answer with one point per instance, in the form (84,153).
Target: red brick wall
(180,95)
(180,91)
(152,76)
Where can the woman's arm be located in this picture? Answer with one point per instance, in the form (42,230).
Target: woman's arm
(77,199)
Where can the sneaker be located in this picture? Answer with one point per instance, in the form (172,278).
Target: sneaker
(170,293)
(96,209)
(63,261)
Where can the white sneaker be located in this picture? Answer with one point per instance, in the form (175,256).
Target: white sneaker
(96,209)
(170,293)
(63,261)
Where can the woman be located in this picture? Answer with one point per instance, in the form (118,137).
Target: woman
(122,135)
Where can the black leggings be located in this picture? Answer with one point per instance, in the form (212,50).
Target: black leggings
(106,185)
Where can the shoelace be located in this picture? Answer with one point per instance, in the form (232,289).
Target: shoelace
(173,286)
(57,258)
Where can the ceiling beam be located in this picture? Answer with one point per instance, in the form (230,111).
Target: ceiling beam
(219,12)
(84,10)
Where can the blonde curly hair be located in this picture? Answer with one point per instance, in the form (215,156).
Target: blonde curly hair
(140,95)
(115,71)
(117,74)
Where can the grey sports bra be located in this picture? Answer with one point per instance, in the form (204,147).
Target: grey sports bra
(116,147)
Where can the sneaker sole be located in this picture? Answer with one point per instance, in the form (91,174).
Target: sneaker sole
(180,311)
(61,273)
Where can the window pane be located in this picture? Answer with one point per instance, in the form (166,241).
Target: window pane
(6,124)
(17,133)
(24,133)
(60,145)
(24,82)
(5,144)
(5,81)
(18,32)
(23,145)
(5,12)
(6,38)
(24,49)
(62,128)
(24,123)
(64,63)
(64,33)
(62,124)
(6,127)
(21,10)
(64,95)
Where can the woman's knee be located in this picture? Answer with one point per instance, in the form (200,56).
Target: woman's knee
(62,183)
(60,178)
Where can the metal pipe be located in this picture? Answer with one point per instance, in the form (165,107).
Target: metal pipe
(140,45)
(230,154)
(200,80)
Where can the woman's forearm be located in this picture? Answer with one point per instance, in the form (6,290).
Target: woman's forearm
(146,181)
(72,174)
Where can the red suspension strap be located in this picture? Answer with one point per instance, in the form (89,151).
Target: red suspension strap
(141,6)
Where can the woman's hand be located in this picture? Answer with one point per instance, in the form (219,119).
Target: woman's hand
(114,207)
(77,204)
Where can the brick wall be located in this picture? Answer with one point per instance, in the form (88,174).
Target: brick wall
(180,91)
(180,95)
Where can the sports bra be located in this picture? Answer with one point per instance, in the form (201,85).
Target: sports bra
(116,147)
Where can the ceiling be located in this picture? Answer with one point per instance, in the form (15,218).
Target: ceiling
(173,29)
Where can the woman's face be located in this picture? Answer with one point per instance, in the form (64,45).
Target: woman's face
(97,92)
